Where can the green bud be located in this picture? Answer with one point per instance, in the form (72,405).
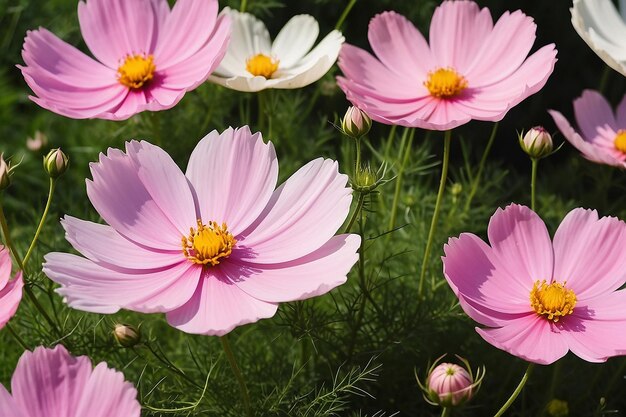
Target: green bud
(55,163)
(126,335)
(537,142)
(557,408)
(355,123)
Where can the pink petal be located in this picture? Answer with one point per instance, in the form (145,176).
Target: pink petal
(106,394)
(589,150)
(445,115)
(314,202)
(521,242)
(90,287)
(620,114)
(218,306)
(10,297)
(134,102)
(532,338)
(198,18)
(114,29)
(485,315)
(103,245)
(49,382)
(233,175)
(458,30)
(593,111)
(399,46)
(595,340)
(8,407)
(122,200)
(589,253)
(473,271)
(5,266)
(165,183)
(503,51)
(312,275)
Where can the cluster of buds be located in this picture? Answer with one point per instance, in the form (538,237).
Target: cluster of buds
(537,143)
(356,123)
(126,335)
(55,163)
(451,385)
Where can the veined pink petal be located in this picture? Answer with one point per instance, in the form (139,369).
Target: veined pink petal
(122,200)
(314,198)
(90,287)
(10,297)
(198,17)
(106,394)
(521,242)
(620,114)
(49,382)
(8,407)
(218,306)
(484,315)
(114,29)
(103,245)
(399,46)
(312,275)
(458,30)
(532,338)
(233,175)
(592,110)
(589,252)
(595,340)
(5,266)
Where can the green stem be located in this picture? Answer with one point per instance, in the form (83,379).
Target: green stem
(7,238)
(242,383)
(41,222)
(445,412)
(533,184)
(481,167)
(357,164)
(345,13)
(519,388)
(244,3)
(16,336)
(261,116)
(396,195)
(357,210)
(364,290)
(390,138)
(433,223)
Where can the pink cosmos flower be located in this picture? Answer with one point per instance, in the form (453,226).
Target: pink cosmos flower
(53,383)
(10,290)
(540,298)
(215,247)
(149,56)
(603,132)
(472,69)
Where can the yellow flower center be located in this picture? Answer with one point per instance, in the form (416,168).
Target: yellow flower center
(262,65)
(620,140)
(136,70)
(552,300)
(208,244)
(445,83)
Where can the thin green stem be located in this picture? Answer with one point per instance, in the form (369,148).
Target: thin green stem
(355,214)
(445,412)
(433,222)
(261,109)
(16,336)
(41,222)
(345,14)
(242,382)
(399,177)
(357,163)
(390,138)
(533,184)
(519,388)
(244,4)
(363,285)
(481,167)
(168,364)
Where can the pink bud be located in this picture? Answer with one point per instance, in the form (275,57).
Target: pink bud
(356,122)
(537,142)
(451,383)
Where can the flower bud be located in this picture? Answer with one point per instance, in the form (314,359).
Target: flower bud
(451,385)
(5,170)
(126,335)
(55,163)
(537,142)
(37,142)
(355,123)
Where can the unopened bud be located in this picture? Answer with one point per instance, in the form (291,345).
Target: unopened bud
(37,142)
(355,123)
(126,335)
(5,171)
(537,142)
(55,163)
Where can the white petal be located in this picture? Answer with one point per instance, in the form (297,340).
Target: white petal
(295,39)
(245,83)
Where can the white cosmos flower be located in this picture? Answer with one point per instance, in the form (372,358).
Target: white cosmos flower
(600,24)
(253,62)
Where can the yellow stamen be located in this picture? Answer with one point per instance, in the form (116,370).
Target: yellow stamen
(552,300)
(445,83)
(208,244)
(262,65)
(136,70)
(620,140)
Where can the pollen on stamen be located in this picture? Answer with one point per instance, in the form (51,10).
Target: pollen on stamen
(445,83)
(620,140)
(208,244)
(553,301)
(262,65)
(136,71)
